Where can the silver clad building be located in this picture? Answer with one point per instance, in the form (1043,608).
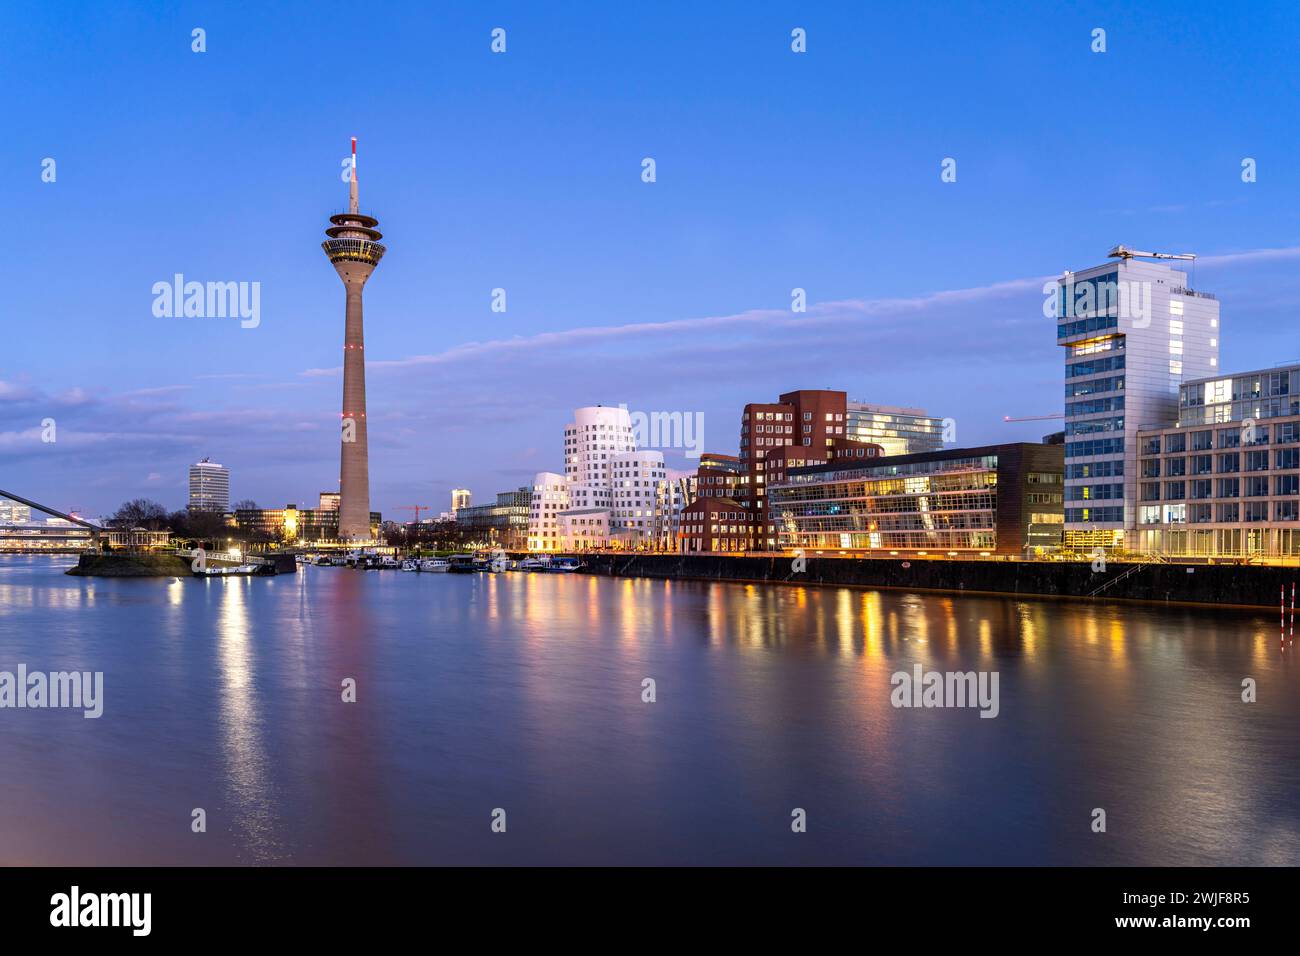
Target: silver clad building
(1224,480)
(209,486)
(1133,331)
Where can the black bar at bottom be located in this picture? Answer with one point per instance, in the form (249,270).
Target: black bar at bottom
(368,904)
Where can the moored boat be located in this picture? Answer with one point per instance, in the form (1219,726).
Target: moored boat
(237,570)
(564,564)
(461,564)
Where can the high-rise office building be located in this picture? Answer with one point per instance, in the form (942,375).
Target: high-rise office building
(209,486)
(1133,331)
(460,498)
(899,431)
(353,247)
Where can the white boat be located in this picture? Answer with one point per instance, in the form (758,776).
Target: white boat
(410,564)
(235,571)
(538,563)
(389,563)
(435,564)
(564,564)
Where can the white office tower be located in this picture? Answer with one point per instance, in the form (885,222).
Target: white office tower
(595,435)
(550,497)
(1133,331)
(634,480)
(460,498)
(209,486)
(591,441)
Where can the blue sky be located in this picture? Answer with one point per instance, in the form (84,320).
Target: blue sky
(522,171)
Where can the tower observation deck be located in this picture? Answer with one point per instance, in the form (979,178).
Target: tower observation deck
(354,249)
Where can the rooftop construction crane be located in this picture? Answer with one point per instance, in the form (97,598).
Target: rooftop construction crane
(416,508)
(1124,252)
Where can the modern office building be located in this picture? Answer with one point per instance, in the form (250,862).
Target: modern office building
(294,525)
(898,431)
(1224,479)
(329,501)
(672,496)
(12,511)
(209,486)
(353,247)
(502,524)
(812,423)
(634,478)
(995,499)
(460,498)
(596,434)
(49,534)
(584,529)
(616,494)
(550,497)
(715,525)
(1133,332)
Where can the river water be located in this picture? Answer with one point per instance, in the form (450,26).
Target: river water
(519,697)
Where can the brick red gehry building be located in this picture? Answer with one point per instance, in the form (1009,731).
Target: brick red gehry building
(805,427)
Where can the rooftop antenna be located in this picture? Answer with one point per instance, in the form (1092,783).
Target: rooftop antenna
(352,187)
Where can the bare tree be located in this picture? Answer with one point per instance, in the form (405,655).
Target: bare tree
(140,513)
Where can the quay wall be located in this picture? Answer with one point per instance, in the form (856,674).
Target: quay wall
(1249,585)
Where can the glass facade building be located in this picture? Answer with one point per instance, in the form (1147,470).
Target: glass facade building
(1132,332)
(898,431)
(1224,480)
(1004,499)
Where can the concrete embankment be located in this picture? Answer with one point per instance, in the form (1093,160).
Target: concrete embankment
(1195,584)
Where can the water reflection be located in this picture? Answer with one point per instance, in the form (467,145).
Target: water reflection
(526,692)
(250,785)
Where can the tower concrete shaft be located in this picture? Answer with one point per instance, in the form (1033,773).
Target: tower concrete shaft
(354,249)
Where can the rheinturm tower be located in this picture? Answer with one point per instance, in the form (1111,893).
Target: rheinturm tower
(354,248)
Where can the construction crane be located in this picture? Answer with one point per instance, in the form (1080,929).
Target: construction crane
(1032,418)
(416,508)
(1124,252)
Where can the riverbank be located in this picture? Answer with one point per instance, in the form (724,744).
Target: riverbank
(1242,585)
(131,566)
(137,565)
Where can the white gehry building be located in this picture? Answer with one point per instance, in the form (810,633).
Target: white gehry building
(550,498)
(634,480)
(603,472)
